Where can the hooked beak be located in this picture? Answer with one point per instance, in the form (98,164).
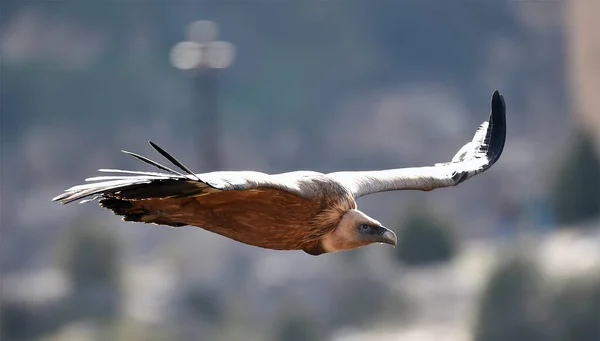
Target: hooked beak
(388,237)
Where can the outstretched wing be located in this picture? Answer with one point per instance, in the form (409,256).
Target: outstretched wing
(137,185)
(473,158)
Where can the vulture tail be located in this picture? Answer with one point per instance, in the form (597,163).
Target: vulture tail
(136,185)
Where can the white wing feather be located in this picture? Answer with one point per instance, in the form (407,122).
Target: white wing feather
(473,158)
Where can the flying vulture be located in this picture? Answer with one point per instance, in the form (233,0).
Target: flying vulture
(302,210)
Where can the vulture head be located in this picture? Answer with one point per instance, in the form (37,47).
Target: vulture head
(357,229)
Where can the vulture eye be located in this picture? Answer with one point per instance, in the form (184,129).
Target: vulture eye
(364,228)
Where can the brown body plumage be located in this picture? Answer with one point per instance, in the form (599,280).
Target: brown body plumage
(301,210)
(263,217)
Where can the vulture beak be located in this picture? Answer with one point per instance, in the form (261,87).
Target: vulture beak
(388,237)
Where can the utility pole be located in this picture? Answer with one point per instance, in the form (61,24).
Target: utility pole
(203,56)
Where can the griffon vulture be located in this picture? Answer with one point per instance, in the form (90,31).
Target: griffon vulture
(302,210)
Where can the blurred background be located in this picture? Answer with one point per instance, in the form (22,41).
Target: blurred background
(275,86)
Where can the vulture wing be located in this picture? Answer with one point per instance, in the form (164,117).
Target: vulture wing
(473,158)
(138,185)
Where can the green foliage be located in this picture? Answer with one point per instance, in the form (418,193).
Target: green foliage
(575,310)
(362,301)
(576,193)
(299,329)
(299,326)
(515,306)
(424,239)
(508,305)
(91,258)
(14,322)
(204,304)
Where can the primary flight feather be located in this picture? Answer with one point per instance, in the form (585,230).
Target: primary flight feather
(301,210)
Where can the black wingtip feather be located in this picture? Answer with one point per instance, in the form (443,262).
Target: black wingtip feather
(172,159)
(496,136)
(153,163)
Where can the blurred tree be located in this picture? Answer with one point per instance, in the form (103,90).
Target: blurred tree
(360,301)
(91,258)
(21,320)
(298,329)
(297,325)
(576,193)
(575,310)
(204,304)
(15,322)
(424,238)
(508,305)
